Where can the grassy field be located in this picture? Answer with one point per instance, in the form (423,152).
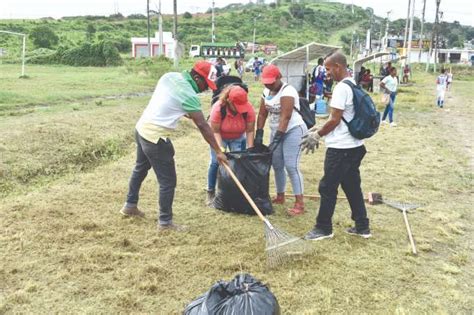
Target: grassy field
(65,249)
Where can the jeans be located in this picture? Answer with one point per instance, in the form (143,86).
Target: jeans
(389,107)
(160,157)
(232,145)
(287,157)
(341,166)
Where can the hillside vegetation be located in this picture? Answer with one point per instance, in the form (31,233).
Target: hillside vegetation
(286,25)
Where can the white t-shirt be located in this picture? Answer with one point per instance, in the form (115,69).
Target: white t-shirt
(442,81)
(391,83)
(340,137)
(272,104)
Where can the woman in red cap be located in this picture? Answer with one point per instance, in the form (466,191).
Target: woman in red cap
(233,122)
(278,104)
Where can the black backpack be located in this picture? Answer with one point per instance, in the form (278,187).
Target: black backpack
(366,119)
(305,112)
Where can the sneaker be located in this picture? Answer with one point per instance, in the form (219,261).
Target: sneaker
(393,124)
(384,122)
(297,209)
(279,199)
(131,212)
(364,233)
(317,234)
(211,194)
(172,227)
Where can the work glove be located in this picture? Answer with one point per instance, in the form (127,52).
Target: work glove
(276,140)
(310,141)
(258,141)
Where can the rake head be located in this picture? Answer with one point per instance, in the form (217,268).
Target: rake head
(281,246)
(402,206)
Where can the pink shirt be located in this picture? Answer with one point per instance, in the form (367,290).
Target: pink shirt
(233,126)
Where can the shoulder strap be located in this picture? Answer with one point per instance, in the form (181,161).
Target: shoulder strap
(223,112)
(352,86)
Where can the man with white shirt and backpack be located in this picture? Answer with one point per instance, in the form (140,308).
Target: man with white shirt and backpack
(344,150)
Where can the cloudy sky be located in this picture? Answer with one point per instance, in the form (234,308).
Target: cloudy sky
(460,10)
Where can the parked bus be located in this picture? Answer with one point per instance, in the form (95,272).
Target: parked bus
(210,50)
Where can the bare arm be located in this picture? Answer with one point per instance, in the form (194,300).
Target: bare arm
(216,128)
(207,134)
(287,104)
(334,120)
(262,115)
(250,131)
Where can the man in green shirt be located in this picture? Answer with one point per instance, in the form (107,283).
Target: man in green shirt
(175,96)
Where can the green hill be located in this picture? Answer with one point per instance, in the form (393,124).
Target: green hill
(286,25)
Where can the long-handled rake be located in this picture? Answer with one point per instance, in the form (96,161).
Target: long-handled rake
(404,207)
(280,245)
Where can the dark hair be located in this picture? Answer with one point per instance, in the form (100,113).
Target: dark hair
(443,70)
(320,61)
(392,69)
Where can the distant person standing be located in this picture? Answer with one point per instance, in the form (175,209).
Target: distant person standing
(257,68)
(239,66)
(319,75)
(450,80)
(390,85)
(441,84)
(406,73)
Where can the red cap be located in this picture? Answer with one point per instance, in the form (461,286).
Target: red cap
(238,97)
(269,74)
(204,69)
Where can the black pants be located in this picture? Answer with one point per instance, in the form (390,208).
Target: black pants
(341,166)
(160,156)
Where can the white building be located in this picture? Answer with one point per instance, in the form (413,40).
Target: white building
(140,45)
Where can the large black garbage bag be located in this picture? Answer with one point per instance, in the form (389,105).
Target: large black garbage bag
(244,295)
(252,168)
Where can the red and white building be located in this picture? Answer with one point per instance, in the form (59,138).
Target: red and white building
(140,45)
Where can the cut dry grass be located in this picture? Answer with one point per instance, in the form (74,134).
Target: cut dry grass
(65,248)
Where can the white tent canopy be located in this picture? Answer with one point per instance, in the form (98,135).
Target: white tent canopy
(294,64)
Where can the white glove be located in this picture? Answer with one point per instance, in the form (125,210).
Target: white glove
(310,140)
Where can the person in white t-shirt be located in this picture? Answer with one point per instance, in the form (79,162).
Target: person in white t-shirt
(441,84)
(390,84)
(175,96)
(278,104)
(343,157)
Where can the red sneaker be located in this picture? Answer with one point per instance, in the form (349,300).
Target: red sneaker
(298,209)
(279,199)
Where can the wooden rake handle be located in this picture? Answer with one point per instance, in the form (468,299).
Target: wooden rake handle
(410,236)
(244,192)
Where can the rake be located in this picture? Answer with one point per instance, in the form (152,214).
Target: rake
(280,245)
(404,207)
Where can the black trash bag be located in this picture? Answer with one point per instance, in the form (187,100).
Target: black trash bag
(252,168)
(244,295)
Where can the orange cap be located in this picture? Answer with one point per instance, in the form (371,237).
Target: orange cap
(238,97)
(269,74)
(204,69)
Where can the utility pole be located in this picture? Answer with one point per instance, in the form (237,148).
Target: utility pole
(410,36)
(148,26)
(160,30)
(434,36)
(386,29)
(213,22)
(420,43)
(406,27)
(440,17)
(175,19)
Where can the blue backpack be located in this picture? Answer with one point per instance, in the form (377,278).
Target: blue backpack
(366,119)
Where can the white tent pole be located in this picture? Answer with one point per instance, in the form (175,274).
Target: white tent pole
(23,57)
(306,73)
